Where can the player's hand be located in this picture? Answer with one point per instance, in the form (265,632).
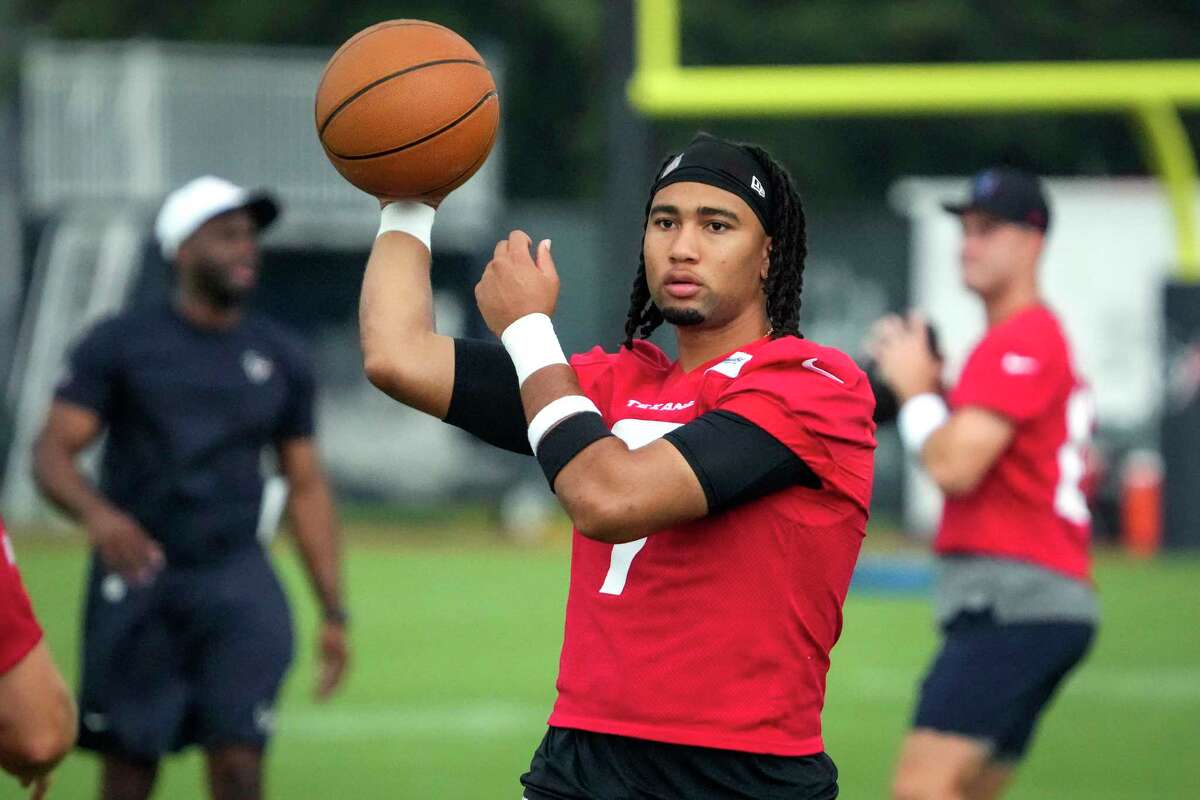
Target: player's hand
(333,654)
(515,284)
(123,546)
(900,347)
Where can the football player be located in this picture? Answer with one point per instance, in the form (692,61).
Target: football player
(719,499)
(1013,597)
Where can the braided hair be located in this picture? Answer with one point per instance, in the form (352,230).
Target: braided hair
(785,272)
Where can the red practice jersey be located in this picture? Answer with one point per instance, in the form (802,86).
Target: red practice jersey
(717,632)
(1030,506)
(19,630)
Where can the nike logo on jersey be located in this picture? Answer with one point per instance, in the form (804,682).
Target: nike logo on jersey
(1017,364)
(732,365)
(811,365)
(660,406)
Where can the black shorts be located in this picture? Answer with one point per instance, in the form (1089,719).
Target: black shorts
(197,657)
(992,681)
(581,765)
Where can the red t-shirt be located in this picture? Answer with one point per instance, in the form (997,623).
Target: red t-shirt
(19,630)
(1030,506)
(717,632)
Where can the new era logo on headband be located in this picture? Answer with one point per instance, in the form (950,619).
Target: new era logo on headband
(757,186)
(671,167)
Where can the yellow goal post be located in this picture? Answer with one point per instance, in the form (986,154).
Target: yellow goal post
(1151,92)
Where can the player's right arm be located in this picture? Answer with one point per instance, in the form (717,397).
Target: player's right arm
(959,448)
(69,429)
(468,383)
(960,453)
(403,354)
(122,543)
(82,401)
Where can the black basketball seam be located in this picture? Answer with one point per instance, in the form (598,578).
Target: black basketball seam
(474,165)
(425,138)
(414,68)
(383,26)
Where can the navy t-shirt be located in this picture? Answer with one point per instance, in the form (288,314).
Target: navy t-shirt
(188,411)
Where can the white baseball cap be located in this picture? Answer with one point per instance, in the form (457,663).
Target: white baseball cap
(201,199)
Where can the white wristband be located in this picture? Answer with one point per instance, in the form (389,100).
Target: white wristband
(408,216)
(919,417)
(555,412)
(532,344)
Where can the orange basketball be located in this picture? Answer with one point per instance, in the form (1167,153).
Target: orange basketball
(407,109)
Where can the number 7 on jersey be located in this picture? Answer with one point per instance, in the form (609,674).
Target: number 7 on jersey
(618,566)
(635,433)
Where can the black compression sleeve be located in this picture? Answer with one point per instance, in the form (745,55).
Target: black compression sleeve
(486,399)
(736,461)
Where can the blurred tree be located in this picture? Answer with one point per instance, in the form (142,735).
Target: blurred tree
(554,54)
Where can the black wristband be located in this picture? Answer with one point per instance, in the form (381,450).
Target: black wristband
(565,441)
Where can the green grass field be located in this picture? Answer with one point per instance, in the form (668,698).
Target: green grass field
(456,640)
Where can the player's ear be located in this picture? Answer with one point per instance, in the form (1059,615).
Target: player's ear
(765,259)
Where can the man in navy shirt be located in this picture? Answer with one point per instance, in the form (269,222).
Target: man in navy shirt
(187,634)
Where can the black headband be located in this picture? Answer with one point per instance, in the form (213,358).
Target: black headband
(724,165)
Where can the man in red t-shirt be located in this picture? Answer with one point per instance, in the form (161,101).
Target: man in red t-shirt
(719,500)
(37,715)
(1013,595)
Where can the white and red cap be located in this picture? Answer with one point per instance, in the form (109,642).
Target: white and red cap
(201,199)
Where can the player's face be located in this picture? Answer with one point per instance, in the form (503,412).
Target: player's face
(995,252)
(220,260)
(706,255)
